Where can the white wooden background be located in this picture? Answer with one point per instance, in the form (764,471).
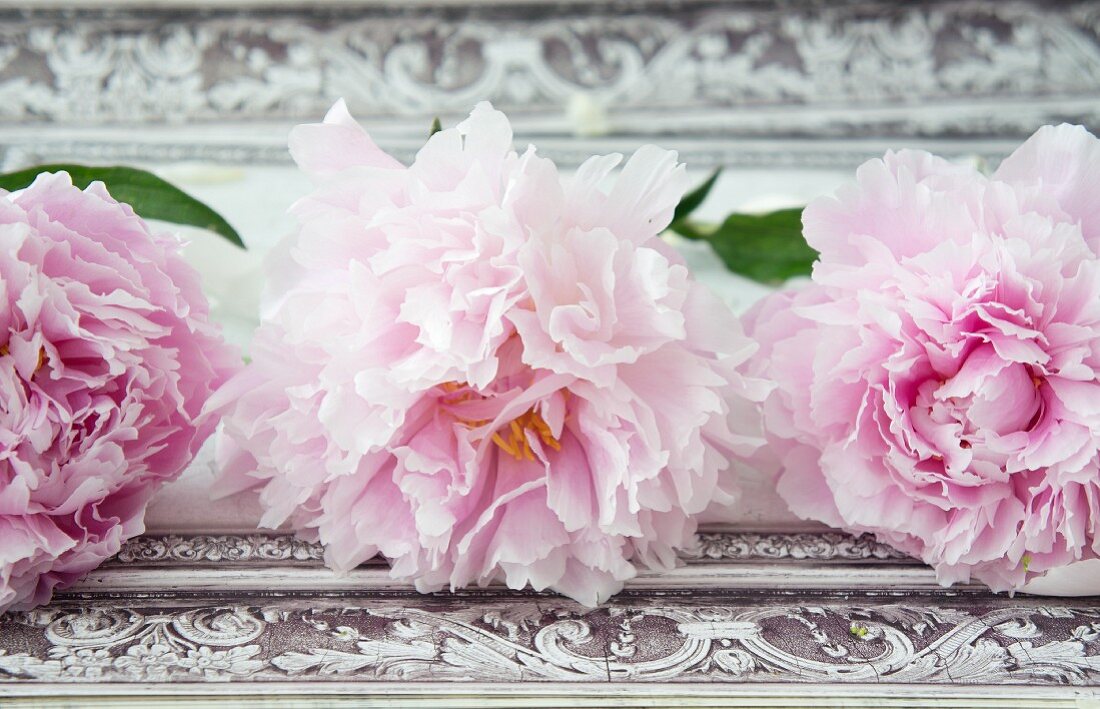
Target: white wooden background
(789,96)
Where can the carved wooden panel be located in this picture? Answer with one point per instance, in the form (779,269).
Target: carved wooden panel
(816,609)
(914,68)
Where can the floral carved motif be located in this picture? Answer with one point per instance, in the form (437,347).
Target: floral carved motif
(816,546)
(218,548)
(157,66)
(711,547)
(123,645)
(520,639)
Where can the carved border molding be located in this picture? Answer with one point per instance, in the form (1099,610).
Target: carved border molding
(805,546)
(849,640)
(222,548)
(713,547)
(931,67)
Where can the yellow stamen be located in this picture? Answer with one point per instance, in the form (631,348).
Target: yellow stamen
(505,446)
(512,439)
(518,445)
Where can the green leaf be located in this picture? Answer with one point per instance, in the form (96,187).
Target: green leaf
(150,196)
(436,127)
(689,204)
(768,248)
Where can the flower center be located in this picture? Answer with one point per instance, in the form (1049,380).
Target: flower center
(516,443)
(511,439)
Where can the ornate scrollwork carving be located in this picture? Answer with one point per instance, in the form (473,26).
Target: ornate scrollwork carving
(158,65)
(711,547)
(516,639)
(105,643)
(224,548)
(810,546)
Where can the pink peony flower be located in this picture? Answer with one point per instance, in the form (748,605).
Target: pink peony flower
(106,361)
(937,384)
(483,370)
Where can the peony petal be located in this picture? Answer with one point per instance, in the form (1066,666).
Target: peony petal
(337,144)
(1063,163)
